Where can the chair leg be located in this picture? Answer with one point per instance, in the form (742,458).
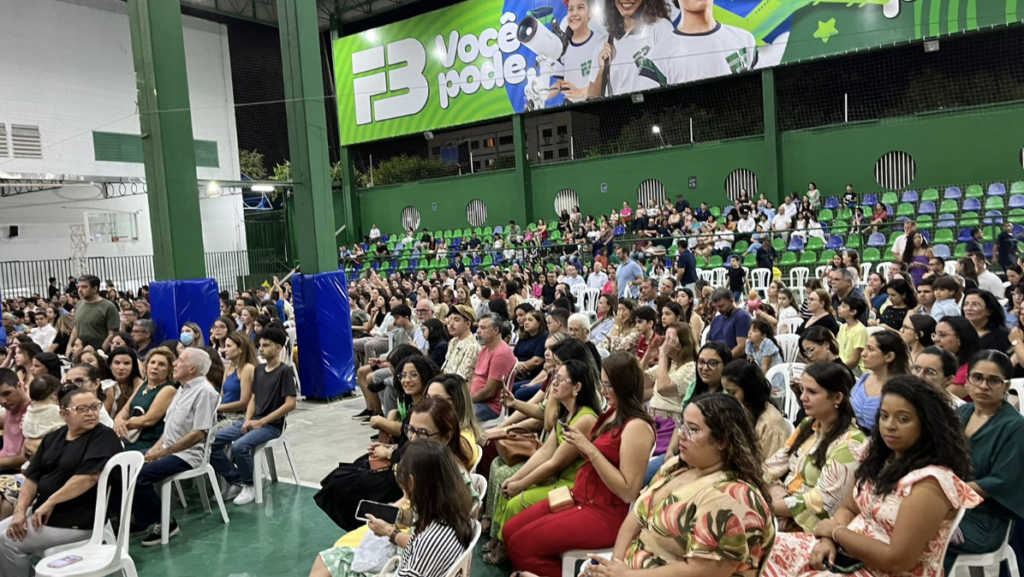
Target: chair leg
(291,462)
(257,474)
(271,464)
(1011,561)
(128,567)
(216,494)
(165,512)
(201,487)
(181,494)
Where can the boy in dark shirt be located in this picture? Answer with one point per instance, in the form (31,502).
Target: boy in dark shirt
(737,279)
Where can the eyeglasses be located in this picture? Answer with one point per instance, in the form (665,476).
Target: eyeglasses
(83,409)
(411,375)
(687,432)
(810,351)
(709,364)
(974,305)
(978,379)
(409,431)
(75,382)
(923,372)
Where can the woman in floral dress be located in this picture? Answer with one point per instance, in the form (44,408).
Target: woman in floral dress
(899,517)
(707,512)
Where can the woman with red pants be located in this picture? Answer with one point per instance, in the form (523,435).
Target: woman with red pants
(611,479)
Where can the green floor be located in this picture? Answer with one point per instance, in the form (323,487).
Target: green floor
(279,538)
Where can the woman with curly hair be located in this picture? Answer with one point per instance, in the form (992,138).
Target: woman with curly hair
(707,511)
(633,28)
(899,516)
(814,471)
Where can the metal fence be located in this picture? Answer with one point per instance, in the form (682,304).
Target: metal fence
(230,269)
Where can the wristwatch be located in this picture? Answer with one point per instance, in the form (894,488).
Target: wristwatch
(394,533)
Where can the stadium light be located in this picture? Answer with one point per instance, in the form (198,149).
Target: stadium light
(213,189)
(263,188)
(656,129)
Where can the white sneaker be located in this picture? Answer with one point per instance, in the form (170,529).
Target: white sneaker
(246,496)
(231,492)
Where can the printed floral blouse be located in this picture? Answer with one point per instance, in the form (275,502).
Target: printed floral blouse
(816,494)
(716,517)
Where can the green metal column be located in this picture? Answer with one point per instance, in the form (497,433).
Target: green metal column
(307,135)
(523,177)
(158,49)
(772,140)
(349,199)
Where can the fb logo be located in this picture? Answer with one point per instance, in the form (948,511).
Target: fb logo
(400,65)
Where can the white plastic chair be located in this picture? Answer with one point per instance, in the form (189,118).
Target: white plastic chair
(718,276)
(790,345)
(791,403)
(791,325)
(99,559)
(882,268)
(798,276)
(1017,387)
(819,272)
(480,486)
(590,298)
(570,558)
(759,279)
(577,291)
(876,329)
(263,463)
(865,271)
(950,268)
(603,352)
(704,335)
(204,470)
(989,562)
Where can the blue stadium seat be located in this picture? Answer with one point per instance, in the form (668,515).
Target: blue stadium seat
(1017,201)
(927,237)
(499,229)
(870,200)
(946,221)
(972,204)
(1018,229)
(909,196)
(796,244)
(941,251)
(997,189)
(832,203)
(835,242)
(876,240)
(952,192)
(965,235)
(927,207)
(993,217)
(986,248)
(620,230)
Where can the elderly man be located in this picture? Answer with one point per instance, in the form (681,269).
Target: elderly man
(572,278)
(841,281)
(188,420)
(273,397)
(493,366)
(598,278)
(731,325)
(60,486)
(142,333)
(424,312)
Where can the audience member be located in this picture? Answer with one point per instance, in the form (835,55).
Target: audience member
(237,385)
(732,324)
(675,370)
(957,335)
(937,367)
(885,356)
(917,331)
(140,423)
(15,401)
(493,367)
(745,381)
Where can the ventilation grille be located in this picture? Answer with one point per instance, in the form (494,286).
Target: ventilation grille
(895,170)
(566,199)
(741,179)
(650,190)
(26,141)
(476,212)
(411,218)
(3,140)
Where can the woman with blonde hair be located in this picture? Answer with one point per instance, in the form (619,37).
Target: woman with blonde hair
(192,336)
(148,404)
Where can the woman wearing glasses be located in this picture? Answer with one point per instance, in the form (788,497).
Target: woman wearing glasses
(815,469)
(574,399)
(819,305)
(86,377)
(937,367)
(957,335)
(707,511)
(995,433)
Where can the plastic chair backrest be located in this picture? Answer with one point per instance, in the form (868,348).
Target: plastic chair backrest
(462,566)
(790,345)
(130,463)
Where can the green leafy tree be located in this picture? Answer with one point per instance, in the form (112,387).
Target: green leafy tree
(251,163)
(283,172)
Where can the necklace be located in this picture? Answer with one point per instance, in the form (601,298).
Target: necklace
(147,389)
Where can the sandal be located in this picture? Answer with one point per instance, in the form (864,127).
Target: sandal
(493,559)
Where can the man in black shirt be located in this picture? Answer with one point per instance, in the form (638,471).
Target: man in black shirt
(60,486)
(273,397)
(547,292)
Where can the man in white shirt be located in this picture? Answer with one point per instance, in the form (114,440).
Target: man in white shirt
(987,280)
(572,278)
(781,221)
(598,278)
(44,333)
(789,207)
(746,224)
(901,241)
(374,233)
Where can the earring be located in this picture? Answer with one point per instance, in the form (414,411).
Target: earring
(574,393)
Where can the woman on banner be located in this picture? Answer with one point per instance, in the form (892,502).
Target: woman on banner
(632,29)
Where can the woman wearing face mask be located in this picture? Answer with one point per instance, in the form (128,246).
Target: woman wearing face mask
(900,514)
(192,336)
(812,474)
(148,404)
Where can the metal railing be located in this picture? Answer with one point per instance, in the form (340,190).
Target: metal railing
(229,268)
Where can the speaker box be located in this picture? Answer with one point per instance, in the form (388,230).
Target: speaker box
(13,231)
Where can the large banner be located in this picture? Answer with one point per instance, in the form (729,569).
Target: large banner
(484,59)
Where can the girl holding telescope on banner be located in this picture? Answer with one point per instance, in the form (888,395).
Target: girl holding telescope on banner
(577,67)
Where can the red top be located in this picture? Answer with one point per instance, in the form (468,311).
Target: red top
(590,489)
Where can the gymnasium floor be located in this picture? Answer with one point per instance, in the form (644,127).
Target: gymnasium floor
(282,536)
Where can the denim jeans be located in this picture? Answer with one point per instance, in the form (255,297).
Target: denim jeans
(146,505)
(525,393)
(484,412)
(242,444)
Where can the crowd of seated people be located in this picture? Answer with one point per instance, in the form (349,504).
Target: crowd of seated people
(654,397)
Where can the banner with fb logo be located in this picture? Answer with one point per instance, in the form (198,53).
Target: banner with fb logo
(485,59)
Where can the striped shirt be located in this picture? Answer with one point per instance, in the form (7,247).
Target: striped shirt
(431,553)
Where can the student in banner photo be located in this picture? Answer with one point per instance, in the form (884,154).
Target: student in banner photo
(635,27)
(700,48)
(577,67)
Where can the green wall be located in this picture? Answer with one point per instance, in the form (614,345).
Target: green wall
(976,145)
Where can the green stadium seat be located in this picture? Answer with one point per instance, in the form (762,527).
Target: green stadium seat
(925,221)
(974,191)
(1016,215)
(780,245)
(906,209)
(702,262)
(741,247)
(1017,187)
(673,250)
(825,215)
(989,233)
(750,261)
(788,259)
(551,267)
(716,211)
(945,236)
(826,257)
(853,241)
(930,194)
(488,231)
(716,261)
(845,214)
(814,243)
(969,219)
(994,203)
(447,234)
(532,227)
(721,220)
(808,258)
(554,236)
(872,255)
(890,198)
(948,207)
(960,251)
